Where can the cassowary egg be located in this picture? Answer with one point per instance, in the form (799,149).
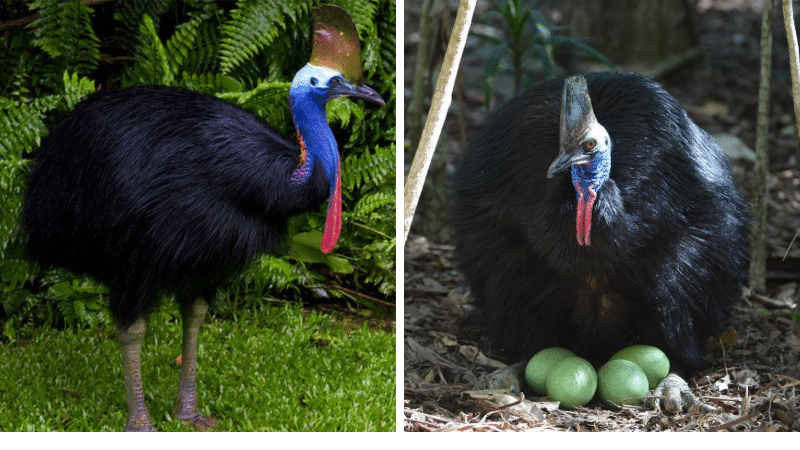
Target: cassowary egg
(650,359)
(540,365)
(572,381)
(620,379)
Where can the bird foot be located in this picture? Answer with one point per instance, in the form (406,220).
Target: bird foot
(510,379)
(141,423)
(198,421)
(675,396)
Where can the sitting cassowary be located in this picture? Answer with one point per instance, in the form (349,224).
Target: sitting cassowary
(594,214)
(157,190)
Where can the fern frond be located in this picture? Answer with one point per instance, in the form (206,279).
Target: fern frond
(267,101)
(64,31)
(210,83)
(130,14)
(152,64)
(76,88)
(375,200)
(21,125)
(194,45)
(369,168)
(255,25)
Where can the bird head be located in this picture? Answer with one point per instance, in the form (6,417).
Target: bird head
(334,70)
(335,67)
(585,147)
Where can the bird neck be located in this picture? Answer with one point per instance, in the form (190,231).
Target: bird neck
(588,179)
(317,144)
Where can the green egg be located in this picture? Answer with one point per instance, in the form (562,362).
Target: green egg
(650,359)
(572,381)
(540,365)
(621,379)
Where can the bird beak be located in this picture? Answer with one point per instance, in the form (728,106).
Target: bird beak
(564,160)
(347,89)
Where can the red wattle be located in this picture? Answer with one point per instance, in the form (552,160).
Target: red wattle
(583,220)
(579,219)
(333,221)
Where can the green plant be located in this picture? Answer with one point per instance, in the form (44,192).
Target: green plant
(528,45)
(245,53)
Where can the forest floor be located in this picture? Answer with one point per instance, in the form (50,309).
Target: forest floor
(754,384)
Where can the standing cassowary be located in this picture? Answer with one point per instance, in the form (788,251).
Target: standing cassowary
(593,214)
(156,190)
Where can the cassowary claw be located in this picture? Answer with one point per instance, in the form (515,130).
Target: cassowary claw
(674,393)
(198,421)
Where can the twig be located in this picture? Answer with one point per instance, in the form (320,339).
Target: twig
(794,61)
(758,265)
(416,104)
(364,296)
(732,423)
(438,112)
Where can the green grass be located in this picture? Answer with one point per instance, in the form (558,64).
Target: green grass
(277,369)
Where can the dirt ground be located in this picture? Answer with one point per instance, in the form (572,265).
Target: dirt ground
(754,383)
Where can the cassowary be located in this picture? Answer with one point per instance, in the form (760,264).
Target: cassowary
(158,190)
(593,214)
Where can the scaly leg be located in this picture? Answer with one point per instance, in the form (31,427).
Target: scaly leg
(131,343)
(186,401)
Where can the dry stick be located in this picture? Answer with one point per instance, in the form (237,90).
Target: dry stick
(794,64)
(758,265)
(416,105)
(438,112)
(794,61)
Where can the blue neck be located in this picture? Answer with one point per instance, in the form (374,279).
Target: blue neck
(592,175)
(317,141)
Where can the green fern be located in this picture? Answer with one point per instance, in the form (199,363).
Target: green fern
(254,26)
(268,101)
(129,15)
(64,31)
(369,167)
(151,56)
(373,201)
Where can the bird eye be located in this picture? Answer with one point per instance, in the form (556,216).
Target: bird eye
(589,145)
(313,81)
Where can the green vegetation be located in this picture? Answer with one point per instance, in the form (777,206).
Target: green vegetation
(273,369)
(528,45)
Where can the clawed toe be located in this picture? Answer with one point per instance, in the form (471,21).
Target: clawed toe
(675,396)
(198,421)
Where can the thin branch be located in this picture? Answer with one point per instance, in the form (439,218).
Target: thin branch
(438,112)
(758,264)
(794,61)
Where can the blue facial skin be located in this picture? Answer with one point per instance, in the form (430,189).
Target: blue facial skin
(594,174)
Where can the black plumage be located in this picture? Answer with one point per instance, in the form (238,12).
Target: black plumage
(157,190)
(668,252)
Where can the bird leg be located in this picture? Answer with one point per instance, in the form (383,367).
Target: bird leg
(674,393)
(130,340)
(186,401)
